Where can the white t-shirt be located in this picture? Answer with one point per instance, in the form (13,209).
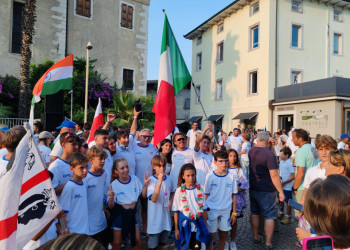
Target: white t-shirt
(245,146)
(341,145)
(236,142)
(143,157)
(127,193)
(128,155)
(220,190)
(277,150)
(237,173)
(57,149)
(45,153)
(179,158)
(95,192)
(191,137)
(158,214)
(3,165)
(61,172)
(314,173)
(74,203)
(192,202)
(286,169)
(202,162)
(108,168)
(291,145)
(3,152)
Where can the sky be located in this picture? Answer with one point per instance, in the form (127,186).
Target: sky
(183,16)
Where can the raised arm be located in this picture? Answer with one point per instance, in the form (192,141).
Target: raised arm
(110,119)
(133,128)
(200,137)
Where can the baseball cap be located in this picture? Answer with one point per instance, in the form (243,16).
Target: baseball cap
(66,124)
(4,127)
(46,134)
(343,136)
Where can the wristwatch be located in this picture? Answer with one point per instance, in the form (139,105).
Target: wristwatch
(294,189)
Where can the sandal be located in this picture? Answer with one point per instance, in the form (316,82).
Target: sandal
(259,241)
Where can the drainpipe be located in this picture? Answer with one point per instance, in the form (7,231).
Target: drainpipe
(328,54)
(276,44)
(342,117)
(272,108)
(66,46)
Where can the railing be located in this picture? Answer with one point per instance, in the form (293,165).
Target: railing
(10,122)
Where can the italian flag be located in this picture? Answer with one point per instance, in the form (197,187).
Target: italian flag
(98,121)
(173,76)
(58,77)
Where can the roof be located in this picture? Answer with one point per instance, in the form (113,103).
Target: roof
(236,5)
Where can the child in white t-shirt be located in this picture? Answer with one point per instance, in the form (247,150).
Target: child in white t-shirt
(74,196)
(96,183)
(244,154)
(189,208)
(287,174)
(123,203)
(160,194)
(45,139)
(220,194)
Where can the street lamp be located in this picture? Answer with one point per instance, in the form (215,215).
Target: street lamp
(88,47)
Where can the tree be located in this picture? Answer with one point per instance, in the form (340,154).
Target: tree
(29,18)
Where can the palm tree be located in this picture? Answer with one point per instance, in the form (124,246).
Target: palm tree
(29,18)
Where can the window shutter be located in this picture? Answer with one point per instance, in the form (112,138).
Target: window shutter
(130,16)
(87,8)
(124,15)
(80,5)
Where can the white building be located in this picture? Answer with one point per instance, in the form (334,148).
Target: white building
(245,53)
(118,31)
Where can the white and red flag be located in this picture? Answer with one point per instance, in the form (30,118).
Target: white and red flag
(98,121)
(28,200)
(173,76)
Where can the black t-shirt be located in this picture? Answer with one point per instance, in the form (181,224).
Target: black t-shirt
(261,160)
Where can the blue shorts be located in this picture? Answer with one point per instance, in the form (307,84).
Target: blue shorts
(288,194)
(118,222)
(264,203)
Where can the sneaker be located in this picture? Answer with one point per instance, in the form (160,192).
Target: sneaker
(233,245)
(286,221)
(226,246)
(259,241)
(272,246)
(280,216)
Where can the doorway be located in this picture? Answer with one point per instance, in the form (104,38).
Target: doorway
(285,122)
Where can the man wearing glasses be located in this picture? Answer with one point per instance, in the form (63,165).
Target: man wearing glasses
(143,152)
(181,155)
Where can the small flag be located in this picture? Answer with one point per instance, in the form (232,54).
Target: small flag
(98,121)
(173,76)
(58,77)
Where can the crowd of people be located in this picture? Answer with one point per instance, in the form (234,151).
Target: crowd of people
(190,186)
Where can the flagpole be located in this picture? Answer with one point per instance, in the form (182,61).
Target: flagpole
(205,114)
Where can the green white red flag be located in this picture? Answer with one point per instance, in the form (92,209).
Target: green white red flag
(58,77)
(173,76)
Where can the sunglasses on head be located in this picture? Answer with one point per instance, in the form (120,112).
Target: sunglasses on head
(147,136)
(180,139)
(85,146)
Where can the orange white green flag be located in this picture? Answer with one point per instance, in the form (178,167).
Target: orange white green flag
(58,77)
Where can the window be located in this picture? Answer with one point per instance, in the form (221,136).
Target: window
(220,27)
(199,40)
(128,79)
(254,37)
(220,52)
(296,36)
(338,15)
(198,90)
(253,82)
(297,6)
(254,8)
(218,90)
(337,44)
(127,13)
(295,76)
(199,61)
(83,8)
(17,20)
(187,103)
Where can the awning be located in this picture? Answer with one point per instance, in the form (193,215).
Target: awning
(245,116)
(215,118)
(195,118)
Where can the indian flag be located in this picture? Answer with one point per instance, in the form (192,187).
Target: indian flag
(173,76)
(58,77)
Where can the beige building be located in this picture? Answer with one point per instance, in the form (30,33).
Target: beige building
(243,54)
(118,31)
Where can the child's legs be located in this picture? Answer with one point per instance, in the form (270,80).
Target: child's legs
(144,203)
(234,231)
(222,239)
(288,195)
(138,238)
(117,239)
(194,243)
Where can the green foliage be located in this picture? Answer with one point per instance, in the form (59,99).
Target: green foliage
(9,94)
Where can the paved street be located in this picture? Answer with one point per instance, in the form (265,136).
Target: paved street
(284,238)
